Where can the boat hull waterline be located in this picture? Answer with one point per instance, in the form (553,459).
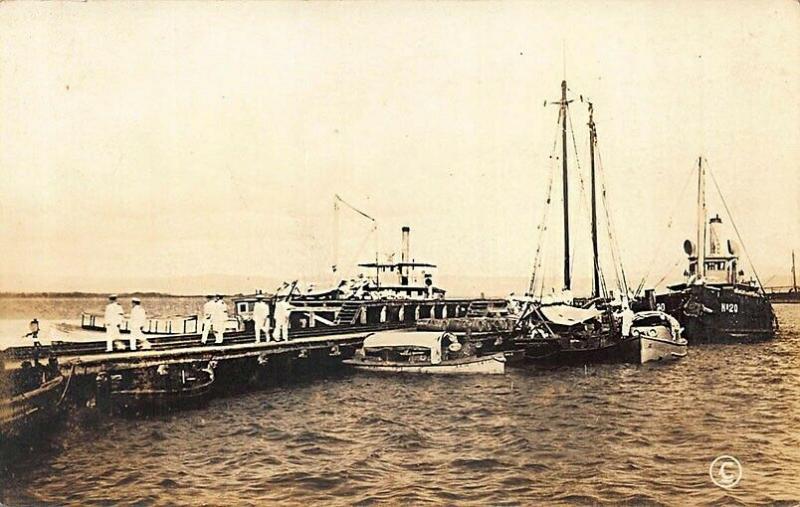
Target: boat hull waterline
(493,365)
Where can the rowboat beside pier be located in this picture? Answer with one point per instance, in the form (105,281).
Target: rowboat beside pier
(155,389)
(29,400)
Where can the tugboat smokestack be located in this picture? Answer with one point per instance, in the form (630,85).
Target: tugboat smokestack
(406,247)
(714,233)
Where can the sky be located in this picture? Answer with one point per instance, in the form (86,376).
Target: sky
(170,146)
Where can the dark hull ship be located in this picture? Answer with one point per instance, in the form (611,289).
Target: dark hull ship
(716,304)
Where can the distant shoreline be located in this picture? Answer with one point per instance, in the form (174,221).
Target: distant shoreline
(31,295)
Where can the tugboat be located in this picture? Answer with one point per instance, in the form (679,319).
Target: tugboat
(716,303)
(566,330)
(395,294)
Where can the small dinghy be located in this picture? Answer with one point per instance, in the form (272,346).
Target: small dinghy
(423,352)
(155,389)
(656,336)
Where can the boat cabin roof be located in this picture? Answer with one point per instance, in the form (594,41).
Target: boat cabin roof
(396,339)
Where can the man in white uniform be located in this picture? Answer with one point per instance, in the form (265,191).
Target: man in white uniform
(627,319)
(137,322)
(112,320)
(261,318)
(209,308)
(220,319)
(282,312)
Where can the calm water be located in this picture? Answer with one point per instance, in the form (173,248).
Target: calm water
(606,434)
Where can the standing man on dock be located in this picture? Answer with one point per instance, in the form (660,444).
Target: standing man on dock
(137,322)
(282,313)
(208,314)
(113,321)
(261,318)
(219,319)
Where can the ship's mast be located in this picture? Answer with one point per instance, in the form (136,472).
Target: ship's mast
(701,220)
(596,257)
(335,264)
(564,174)
(794,274)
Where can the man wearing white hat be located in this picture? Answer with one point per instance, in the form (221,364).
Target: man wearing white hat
(219,319)
(282,312)
(112,320)
(261,318)
(137,322)
(209,308)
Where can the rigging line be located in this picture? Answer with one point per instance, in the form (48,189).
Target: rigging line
(580,179)
(669,226)
(616,254)
(354,259)
(546,212)
(615,260)
(735,228)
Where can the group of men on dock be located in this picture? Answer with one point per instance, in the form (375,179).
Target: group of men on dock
(261,319)
(215,320)
(113,319)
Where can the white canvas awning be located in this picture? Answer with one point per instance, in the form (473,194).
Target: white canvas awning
(565,315)
(422,339)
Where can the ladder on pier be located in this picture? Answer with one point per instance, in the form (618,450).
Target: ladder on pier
(348,313)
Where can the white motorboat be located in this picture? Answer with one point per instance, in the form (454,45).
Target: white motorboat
(659,337)
(433,352)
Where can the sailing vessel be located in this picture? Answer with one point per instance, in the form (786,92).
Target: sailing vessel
(716,303)
(594,329)
(786,294)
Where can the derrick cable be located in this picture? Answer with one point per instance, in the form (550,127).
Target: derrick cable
(663,237)
(733,222)
(669,271)
(374,229)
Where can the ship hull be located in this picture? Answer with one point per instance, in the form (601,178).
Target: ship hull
(492,365)
(632,350)
(720,314)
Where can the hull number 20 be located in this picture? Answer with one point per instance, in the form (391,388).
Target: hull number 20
(729,308)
